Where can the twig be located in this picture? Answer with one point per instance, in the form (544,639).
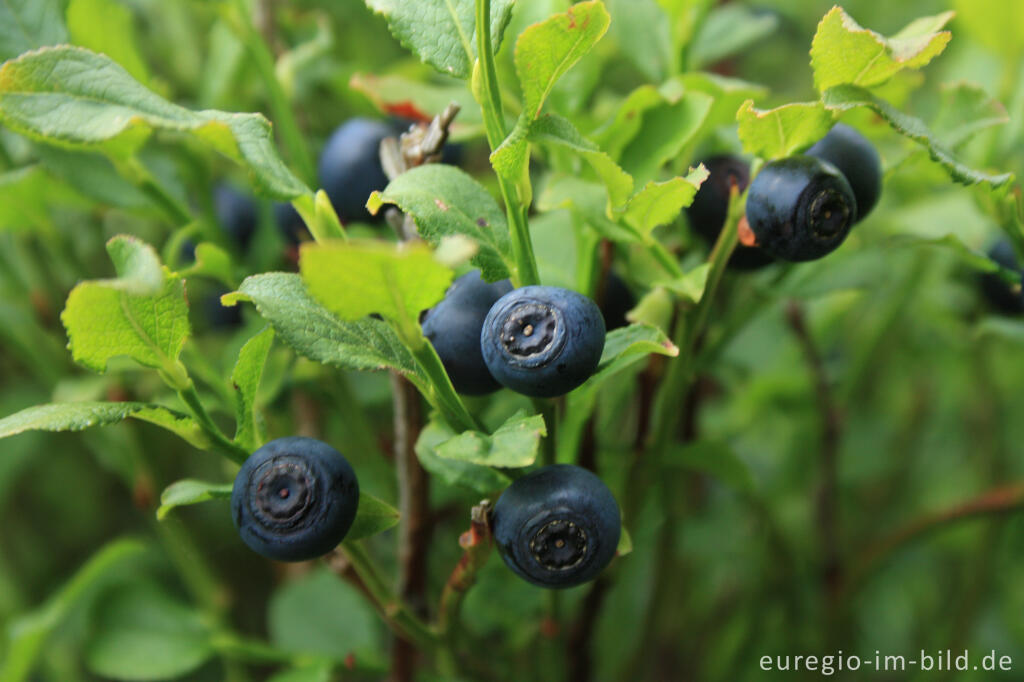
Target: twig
(476,543)
(831,433)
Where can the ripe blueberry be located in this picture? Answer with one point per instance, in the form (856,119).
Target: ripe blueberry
(350,168)
(453,327)
(999,294)
(294,499)
(237,214)
(800,208)
(557,526)
(710,207)
(542,341)
(857,159)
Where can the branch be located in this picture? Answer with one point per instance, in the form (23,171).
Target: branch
(477,543)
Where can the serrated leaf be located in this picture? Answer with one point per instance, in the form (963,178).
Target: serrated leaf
(446,201)
(780,132)
(966,110)
(190,491)
(728,30)
(142,314)
(143,634)
(728,94)
(589,200)
(314,332)
(71,97)
(482,479)
(214,262)
(690,287)
(514,444)
(846,97)
(245,380)
(373,516)
(545,51)
(28,24)
(642,31)
(666,129)
(555,130)
(355,279)
(620,130)
(843,52)
(442,33)
(83,415)
(107,27)
(659,203)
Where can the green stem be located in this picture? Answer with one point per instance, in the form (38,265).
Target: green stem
(664,258)
(525,271)
(231,449)
(280,108)
(440,393)
(175,211)
(397,614)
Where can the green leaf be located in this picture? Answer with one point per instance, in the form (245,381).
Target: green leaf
(214,262)
(625,545)
(783,131)
(842,52)
(27,195)
(314,332)
(718,460)
(728,94)
(966,111)
(665,130)
(997,24)
(108,27)
(846,97)
(143,634)
(245,380)
(46,95)
(190,491)
(442,33)
(514,444)
(373,516)
(728,30)
(620,130)
(481,479)
(83,415)
(142,314)
(446,201)
(659,203)
(312,672)
(545,51)
(28,24)
(589,200)
(27,635)
(690,287)
(354,279)
(641,30)
(555,130)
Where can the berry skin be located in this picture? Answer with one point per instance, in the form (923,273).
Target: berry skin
(294,499)
(800,208)
(350,168)
(542,341)
(857,159)
(710,206)
(453,327)
(237,214)
(996,291)
(616,301)
(557,526)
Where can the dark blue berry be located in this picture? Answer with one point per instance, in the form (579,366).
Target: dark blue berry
(237,213)
(800,208)
(294,499)
(857,159)
(542,341)
(557,527)
(999,294)
(615,301)
(350,168)
(710,207)
(453,327)
(290,223)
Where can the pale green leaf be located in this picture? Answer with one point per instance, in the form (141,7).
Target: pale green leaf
(190,491)
(728,30)
(214,262)
(28,24)
(71,97)
(444,201)
(846,97)
(666,129)
(373,516)
(843,52)
(625,543)
(27,196)
(619,131)
(966,110)
(514,444)
(780,132)
(354,279)
(245,380)
(641,30)
(690,287)
(483,480)
(659,203)
(442,33)
(108,27)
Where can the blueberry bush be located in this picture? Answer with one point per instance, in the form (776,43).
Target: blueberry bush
(509,339)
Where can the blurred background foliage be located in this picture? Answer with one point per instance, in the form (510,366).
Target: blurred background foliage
(923,383)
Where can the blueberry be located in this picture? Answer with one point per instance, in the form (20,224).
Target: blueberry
(999,294)
(710,207)
(542,341)
(557,526)
(616,300)
(453,327)
(237,213)
(800,208)
(350,168)
(294,499)
(290,223)
(857,159)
